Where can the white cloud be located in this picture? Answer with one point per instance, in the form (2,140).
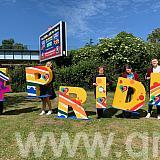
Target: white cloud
(79,13)
(7,2)
(155,6)
(76,13)
(79,17)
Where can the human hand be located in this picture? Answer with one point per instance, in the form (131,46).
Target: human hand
(95,84)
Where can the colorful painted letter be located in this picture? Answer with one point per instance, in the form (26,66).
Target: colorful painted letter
(101,92)
(65,101)
(155,89)
(36,76)
(3,79)
(138,96)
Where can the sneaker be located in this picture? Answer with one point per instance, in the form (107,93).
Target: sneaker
(148,115)
(49,113)
(42,113)
(158,117)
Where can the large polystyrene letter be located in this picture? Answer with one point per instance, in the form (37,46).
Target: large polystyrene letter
(3,79)
(101,92)
(155,89)
(138,96)
(35,76)
(65,100)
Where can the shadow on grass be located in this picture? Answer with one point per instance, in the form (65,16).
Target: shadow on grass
(20,111)
(142,113)
(55,110)
(110,112)
(71,112)
(154,113)
(26,110)
(11,101)
(90,113)
(132,115)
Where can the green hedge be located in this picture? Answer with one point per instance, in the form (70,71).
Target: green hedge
(18,78)
(79,67)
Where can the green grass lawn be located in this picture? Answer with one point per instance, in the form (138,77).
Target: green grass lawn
(22,116)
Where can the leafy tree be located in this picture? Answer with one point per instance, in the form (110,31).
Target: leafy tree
(17,73)
(154,37)
(86,53)
(113,53)
(124,49)
(154,40)
(79,67)
(10,44)
(90,43)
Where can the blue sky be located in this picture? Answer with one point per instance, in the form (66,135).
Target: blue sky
(25,20)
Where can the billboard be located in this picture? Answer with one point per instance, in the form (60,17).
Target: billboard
(53,42)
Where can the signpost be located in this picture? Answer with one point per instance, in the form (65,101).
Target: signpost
(53,42)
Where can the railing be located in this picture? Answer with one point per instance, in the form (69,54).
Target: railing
(25,55)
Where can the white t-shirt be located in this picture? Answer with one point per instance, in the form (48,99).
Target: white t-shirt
(156,70)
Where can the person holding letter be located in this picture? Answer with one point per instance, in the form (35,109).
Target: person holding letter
(48,90)
(130,75)
(101,73)
(155,68)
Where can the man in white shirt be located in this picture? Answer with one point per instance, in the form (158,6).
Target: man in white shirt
(154,69)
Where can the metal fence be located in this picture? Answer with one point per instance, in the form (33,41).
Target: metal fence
(27,55)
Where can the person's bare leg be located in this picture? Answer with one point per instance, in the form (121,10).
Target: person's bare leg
(43,106)
(48,103)
(49,106)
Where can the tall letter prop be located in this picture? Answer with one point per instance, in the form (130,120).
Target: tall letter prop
(76,103)
(155,89)
(3,87)
(101,92)
(36,76)
(138,96)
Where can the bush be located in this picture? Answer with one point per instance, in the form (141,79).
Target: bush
(79,67)
(18,77)
(80,75)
